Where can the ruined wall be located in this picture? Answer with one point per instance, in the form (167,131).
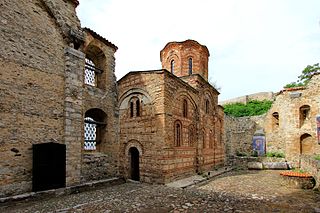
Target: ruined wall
(239,133)
(260,96)
(294,131)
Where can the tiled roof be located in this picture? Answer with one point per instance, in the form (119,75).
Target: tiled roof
(97,36)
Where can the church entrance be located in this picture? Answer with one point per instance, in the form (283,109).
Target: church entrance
(134,169)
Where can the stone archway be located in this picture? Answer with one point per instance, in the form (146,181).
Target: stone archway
(134,164)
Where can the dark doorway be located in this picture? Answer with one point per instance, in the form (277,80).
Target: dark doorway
(135,173)
(49,166)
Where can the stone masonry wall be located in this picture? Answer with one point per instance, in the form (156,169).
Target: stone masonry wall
(144,132)
(239,133)
(31,86)
(292,133)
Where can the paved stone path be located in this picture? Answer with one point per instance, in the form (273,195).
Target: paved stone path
(236,191)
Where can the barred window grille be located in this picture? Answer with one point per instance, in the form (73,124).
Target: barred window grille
(90,134)
(90,73)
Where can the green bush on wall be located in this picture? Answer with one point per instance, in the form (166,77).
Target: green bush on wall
(275,154)
(252,108)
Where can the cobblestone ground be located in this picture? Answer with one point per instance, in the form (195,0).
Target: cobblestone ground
(237,191)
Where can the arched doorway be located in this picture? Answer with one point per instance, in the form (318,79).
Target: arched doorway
(134,164)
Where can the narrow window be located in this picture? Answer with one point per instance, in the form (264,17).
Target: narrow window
(185,108)
(207,106)
(172,66)
(190,66)
(131,109)
(137,107)
(191,135)
(177,134)
(203,138)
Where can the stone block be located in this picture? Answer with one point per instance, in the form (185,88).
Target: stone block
(275,165)
(255,165)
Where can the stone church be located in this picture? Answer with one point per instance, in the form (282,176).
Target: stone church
(170,122)
(65,120)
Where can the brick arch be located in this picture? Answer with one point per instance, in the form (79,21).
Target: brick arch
(185,95)
(135,144)
(134,92)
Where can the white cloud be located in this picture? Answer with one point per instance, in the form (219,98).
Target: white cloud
(255,45)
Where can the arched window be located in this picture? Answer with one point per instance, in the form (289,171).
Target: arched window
(177,133)
(185,108)
(172,66)
(192,135)
(190,66)
(207,106)
(138,108)
(131,109)
(211,139)
(94,128)
(92,74)
(203,139)
(304,114)
(135,107)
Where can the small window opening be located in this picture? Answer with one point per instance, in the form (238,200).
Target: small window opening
(304,114)
(131,109)
(275,118)
(190,66)
(178,134)
(185,108)
(138,108)
(207,106)
(191,135)
(172,66)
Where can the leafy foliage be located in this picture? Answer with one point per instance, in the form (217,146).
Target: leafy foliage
(317,157)
(305,77)
(252,108)
(275,154)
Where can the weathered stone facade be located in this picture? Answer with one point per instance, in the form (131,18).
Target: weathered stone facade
(43,95)
(290,124)
(173,123)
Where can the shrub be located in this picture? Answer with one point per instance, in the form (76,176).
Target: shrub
(275,154)
(317,157)
(252,108)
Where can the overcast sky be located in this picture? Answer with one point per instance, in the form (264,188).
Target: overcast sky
(254,45)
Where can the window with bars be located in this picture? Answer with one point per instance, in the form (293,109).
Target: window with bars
(90,134)
(91,73)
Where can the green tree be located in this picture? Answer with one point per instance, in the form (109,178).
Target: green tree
(305,77)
